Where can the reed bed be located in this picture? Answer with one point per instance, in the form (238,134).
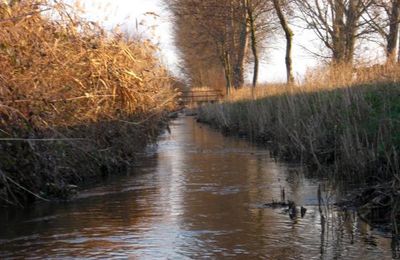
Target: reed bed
(75,101)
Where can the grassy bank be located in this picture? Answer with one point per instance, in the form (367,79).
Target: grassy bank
(353,128)
(344,128)
(75,101)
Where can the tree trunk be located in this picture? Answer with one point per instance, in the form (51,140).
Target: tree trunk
(338,36)
(398,52)
(230,36)
(227,71)
(352,17)
(393,36)
(289,41)
(253,41)
(238,73)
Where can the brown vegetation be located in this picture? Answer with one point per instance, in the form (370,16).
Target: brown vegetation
(75,101)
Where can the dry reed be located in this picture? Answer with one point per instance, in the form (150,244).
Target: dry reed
(73,98)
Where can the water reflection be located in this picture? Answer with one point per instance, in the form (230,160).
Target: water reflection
(200,195)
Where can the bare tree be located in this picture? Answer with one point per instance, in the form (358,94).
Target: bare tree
(337,23)
(260,26)
(222,25)
(252,26)
(289,39)
(392,38)
(228,28)
(384,17)
(243,42)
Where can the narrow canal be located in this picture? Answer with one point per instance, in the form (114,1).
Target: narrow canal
(195,195)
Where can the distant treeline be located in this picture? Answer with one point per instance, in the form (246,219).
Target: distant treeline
(219,39)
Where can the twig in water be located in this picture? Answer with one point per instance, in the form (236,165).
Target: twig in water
(25,189)
(320,201)
(42,140)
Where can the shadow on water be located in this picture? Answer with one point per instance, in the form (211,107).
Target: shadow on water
(197,194)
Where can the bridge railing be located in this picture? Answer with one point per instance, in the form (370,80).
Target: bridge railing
(196,96)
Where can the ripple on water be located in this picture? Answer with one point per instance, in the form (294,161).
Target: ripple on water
(198,195)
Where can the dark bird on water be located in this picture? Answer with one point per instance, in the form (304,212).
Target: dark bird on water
(292,209)
(303,211)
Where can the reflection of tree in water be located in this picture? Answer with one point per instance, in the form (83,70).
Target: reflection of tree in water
(343,232)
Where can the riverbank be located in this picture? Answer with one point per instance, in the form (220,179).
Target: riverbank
(76,102)
(348,133)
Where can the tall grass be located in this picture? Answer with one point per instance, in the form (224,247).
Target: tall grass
(75,100)
(343,121)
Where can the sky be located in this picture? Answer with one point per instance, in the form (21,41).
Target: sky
(137,16)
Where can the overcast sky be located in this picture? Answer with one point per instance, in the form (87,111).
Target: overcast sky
(158,29)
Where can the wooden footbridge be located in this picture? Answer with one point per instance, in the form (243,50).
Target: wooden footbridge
(198,96)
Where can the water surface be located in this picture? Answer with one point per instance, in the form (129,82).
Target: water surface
(196,195)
